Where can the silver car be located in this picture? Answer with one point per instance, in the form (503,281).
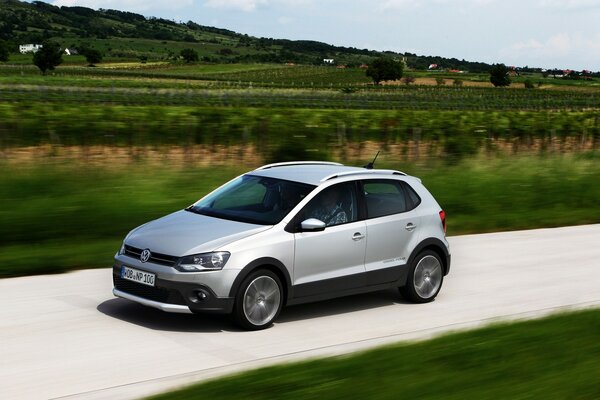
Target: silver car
(284,234)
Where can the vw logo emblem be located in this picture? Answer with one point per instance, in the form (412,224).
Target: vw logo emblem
(145,256)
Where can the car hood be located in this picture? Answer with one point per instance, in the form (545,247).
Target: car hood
(183,233)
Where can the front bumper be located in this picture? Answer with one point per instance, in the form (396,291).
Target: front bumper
(173,308)
(171,296)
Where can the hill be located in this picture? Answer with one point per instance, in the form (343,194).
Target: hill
(125,35)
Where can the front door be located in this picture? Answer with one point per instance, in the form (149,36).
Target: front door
(331,260)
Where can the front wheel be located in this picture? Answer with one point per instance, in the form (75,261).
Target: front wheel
(258,301)
(425,278)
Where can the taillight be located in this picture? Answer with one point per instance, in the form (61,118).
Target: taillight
(443,218)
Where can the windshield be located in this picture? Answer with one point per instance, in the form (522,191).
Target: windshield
(253,199)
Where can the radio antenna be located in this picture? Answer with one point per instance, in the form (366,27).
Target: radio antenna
(372,163)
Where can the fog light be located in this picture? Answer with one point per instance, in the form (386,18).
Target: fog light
(202,295)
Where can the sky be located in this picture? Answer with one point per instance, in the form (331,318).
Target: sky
(537,33)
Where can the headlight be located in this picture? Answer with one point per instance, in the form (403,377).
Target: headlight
(121,250)
(203,262)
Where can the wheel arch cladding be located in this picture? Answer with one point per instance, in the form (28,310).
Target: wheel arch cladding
(436,246)
(267,263)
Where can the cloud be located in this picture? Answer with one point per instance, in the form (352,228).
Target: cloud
(404,4)
(283,20)
(563,49)
(129,5)
(252,5)
(242,5)
(570,4)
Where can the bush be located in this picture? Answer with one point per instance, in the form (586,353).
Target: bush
(408,79)
(295,150)
(348,90)
(189,55)
(529,84)
(91,55)
(4,51)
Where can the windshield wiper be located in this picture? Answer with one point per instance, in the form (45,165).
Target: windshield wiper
(192,209)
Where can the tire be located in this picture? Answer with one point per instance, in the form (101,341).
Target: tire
(425,278)
(258,301)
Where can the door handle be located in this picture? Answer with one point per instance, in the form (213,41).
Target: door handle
(358,236)
(410,227)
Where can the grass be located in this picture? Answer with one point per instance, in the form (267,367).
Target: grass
(58,216)
(554,358)
(516,192)
(83,85)
(221,121)
(62,217)
(67,215)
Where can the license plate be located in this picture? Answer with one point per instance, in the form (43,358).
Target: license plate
(145,278)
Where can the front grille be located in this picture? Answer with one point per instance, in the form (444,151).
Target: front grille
(155,293)
(156,258)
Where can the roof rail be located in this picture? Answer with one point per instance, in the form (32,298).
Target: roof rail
(363,172)
(291,163)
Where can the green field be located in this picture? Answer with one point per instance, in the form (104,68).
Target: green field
(63,215)
(554,358)
(219,121)
(270,75)
(90,153)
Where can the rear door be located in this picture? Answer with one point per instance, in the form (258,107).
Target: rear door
(392,228)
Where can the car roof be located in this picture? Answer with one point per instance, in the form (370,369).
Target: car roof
(315,173)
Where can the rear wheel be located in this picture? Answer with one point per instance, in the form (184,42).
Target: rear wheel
(259,300)
(425,278)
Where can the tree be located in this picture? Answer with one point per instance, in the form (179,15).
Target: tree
(189,55)
(48,57)
(4,51)
(91,55)
(499,75)
(385,69)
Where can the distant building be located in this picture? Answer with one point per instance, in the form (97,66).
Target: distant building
(29,48)
(328,61)
(432,66)
(71,52)
(364,66)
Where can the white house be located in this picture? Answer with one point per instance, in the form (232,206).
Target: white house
(328,60)
(29,48)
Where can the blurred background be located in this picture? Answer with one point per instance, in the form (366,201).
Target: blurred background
(87,154)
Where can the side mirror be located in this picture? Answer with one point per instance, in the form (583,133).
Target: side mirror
(312,225)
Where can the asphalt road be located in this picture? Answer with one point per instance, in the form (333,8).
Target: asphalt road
(66,336)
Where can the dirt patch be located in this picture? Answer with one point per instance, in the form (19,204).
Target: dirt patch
(449,81)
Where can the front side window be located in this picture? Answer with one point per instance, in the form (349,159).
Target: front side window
(388,197)
(253,199)
(335,205)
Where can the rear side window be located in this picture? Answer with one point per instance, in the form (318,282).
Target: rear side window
(387,197)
